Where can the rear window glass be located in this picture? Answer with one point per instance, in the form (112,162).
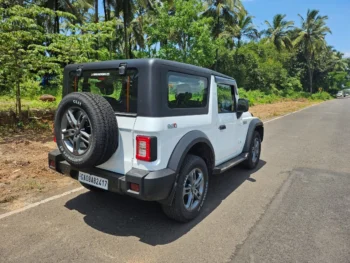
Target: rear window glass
(186,91)
(119,91)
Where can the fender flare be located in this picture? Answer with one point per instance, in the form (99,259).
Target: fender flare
(184,145)
(179,153)
(252,127)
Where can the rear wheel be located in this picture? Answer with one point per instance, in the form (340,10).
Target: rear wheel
(191,190)
(254,152)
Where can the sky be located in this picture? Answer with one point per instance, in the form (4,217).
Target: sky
(338,12)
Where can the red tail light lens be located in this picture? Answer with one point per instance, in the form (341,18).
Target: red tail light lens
(52,164)
(135,187)
(146,148)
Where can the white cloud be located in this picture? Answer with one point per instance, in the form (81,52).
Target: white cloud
(347,55)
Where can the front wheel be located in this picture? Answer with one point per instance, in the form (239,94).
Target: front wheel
(191,190)
(254,152)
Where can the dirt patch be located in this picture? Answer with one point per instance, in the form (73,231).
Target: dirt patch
(269,111)
(24,173)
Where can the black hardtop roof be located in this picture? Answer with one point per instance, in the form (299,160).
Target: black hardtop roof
(144,62)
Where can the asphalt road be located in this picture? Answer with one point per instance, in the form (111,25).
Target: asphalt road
(294,208)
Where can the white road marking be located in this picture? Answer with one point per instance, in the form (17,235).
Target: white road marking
(40,202)
(81,188)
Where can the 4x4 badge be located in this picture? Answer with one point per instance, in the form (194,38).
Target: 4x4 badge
(172,126)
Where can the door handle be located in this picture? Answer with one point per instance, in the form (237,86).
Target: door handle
(222,127)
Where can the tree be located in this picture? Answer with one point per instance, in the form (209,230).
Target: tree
(311,38)
(188,35)
(242,28)
(66,6)
(125,7)
(107,4)
(18,29)
(96,10)
(279,32)
(221,11)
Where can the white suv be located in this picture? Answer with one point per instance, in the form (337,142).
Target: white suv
(152,129)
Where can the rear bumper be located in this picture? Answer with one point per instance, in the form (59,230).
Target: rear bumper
(154,186)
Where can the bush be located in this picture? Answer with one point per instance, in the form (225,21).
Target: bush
(256,97)
(321,96)
(30,88)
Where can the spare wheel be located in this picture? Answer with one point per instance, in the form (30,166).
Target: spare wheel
(86,129)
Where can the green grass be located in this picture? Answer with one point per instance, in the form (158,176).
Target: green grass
(257,97)
(7,103)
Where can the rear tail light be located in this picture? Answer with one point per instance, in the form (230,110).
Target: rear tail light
(146,148)
(135,187)
(52,164)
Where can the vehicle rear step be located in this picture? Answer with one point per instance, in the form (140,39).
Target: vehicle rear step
(230,163)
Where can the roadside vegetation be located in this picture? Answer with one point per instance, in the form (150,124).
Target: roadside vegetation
(285,60)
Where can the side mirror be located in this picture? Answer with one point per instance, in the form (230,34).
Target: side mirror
(242,106)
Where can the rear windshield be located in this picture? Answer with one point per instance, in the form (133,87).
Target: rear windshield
(119,91)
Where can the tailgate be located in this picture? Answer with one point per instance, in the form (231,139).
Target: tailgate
(121,160)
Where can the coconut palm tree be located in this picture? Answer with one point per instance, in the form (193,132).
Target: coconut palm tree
(67,6)
(311,38)
(243,27)
(107,4)
(278,32)
(96,10)
(222,11)
(126,9)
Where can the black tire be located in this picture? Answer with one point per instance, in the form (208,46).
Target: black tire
(92,188)
(252,161)
(101,123)
(178,210)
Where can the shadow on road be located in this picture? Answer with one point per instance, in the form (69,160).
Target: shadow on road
(125,216)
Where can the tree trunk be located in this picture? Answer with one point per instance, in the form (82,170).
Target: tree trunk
(18,100)
(57,19)
(110,49)
(96,11)
(217,49)
(17,87)
(130,49)
(125,16)
(236,51)
(109,9)
(310,78)
(126,39)
(105,10)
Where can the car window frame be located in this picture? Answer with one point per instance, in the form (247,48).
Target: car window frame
(188,74)
(233,94)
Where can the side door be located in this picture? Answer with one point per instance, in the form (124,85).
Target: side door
(226,142)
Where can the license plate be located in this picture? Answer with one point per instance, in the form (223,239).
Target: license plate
(93,180)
